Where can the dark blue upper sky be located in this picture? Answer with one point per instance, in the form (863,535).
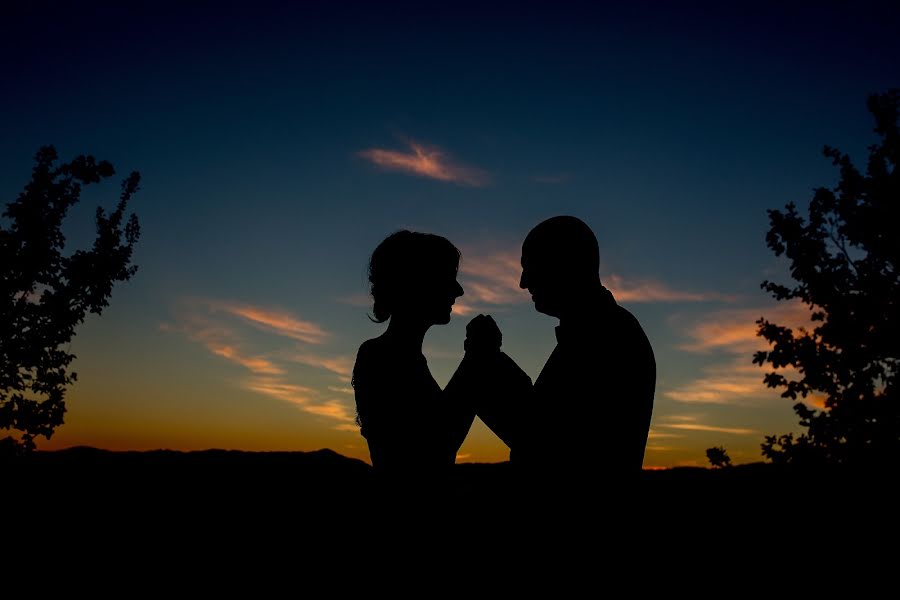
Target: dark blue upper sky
(669,129)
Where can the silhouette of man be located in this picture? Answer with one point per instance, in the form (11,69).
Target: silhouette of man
(587,416)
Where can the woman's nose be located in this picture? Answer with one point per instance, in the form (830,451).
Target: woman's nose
(458,290)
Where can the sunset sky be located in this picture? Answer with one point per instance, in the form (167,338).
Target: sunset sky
(279,144)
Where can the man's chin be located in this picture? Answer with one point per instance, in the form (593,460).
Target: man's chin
(542,308)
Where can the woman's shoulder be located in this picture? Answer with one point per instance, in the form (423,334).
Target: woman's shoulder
(370,349)
(370,357)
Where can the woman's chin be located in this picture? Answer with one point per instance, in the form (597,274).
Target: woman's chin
(443,319)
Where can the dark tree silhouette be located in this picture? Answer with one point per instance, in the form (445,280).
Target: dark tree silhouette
(718,457)
(844,258)
(44,294)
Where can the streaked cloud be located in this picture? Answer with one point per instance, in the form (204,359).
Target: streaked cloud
(715,428)
(490,278)
(683,418)
(255,364)
(734,331)
(340,365)
(307,399)
(341,390)
(736,382)
(655,435)
(693,423)
(222,341)
(648,290)
(426,161)
(463,308)
(276,321)
(333,409)
(205,321)
(731,334)
(277,388)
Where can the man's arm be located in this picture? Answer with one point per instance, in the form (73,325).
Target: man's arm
(491,381)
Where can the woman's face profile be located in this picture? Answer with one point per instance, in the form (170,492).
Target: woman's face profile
(432,295)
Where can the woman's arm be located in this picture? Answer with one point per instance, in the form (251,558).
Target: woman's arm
(491,382)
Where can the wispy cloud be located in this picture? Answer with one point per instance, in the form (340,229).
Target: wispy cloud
(222,341)
(648,290)
(426,161)
(715,428)
(341,390)
(205,321)
(306,399)
(655,435)
(277,388)
(736,382)
(340,365)
(333,409)
(491,278)
(276,321)
(692,423)
(734,331)
(731,333)
(255,364)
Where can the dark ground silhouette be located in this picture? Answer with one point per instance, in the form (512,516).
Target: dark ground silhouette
(281,489)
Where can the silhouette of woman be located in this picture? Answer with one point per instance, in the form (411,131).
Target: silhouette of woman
(412,427)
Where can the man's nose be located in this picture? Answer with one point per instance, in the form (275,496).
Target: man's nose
(523,283)
(459,290)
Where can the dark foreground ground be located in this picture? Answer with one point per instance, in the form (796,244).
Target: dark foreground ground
(165,480)
(216,517)
(275,498)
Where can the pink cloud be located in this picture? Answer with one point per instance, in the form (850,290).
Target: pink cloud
(269,379)
(738,381)
(702,427)
(255,364)
(491,278)
(222,341)
(648,290)
(276,321)
(306,399)
(340,365)
(735,330)
(277,388)
(333,409)
(426,161)
(653,434)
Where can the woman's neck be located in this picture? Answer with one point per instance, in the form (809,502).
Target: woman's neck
(407,333)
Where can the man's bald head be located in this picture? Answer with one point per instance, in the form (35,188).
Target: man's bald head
(560,261)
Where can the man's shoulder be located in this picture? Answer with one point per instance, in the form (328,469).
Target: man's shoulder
(630,329)
(624,318)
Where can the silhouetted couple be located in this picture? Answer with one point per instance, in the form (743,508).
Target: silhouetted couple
(584,421)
